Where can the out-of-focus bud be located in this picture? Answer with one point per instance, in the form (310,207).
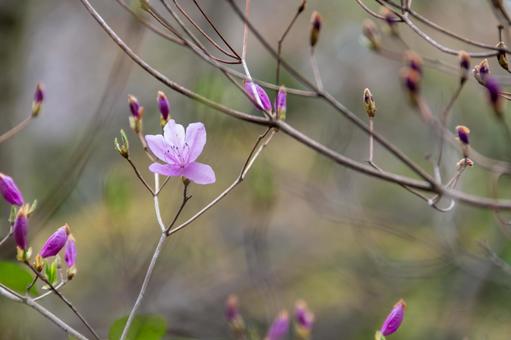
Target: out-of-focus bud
(391,19)
(279,328)
(302,6)
(164,107)
(411,82)
(413,61)
(70,254)
(10,191)
(482,71)
(369,103)
(316,23)
(304,320)
(264,102)
(494,89)
(463,135)
(38,100)
(233,316)
(370,31)
(464,162)
(137,112)
(123,147)
(281,103)
(20,228)
(55,242)
(464,59)
(394,319)
(38,263)
(502,57)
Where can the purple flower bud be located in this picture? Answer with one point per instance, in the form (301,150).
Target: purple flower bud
(20,228)
(70,254)
(232,308)
(463,133)
(279,327)
(39,94)
(411,80)
(10,191)
(394,319)
(414,61)
(163,105)
(315,28)
(494,89)
(281,103)
(55,242)
(390,18)
(263,97)
(135,108)
(304,317)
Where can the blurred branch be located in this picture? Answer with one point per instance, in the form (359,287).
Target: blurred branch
(15,130)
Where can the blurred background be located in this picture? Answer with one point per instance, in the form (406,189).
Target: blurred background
(300,227)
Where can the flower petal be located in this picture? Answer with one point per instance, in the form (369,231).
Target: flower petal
(166,169)
(174,134)
(157,145)
(199,173)
(196,139)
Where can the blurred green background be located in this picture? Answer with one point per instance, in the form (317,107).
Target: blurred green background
(300,227)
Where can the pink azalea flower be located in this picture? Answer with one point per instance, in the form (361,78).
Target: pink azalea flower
(180,150)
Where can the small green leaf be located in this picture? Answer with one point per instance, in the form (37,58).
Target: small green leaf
(51,272)
(144,327)
(16,277)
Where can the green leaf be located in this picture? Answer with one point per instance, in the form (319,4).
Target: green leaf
(16,277)
(143,327)
(51,272)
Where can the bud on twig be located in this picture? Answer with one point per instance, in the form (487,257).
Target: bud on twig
(394,319)
(502,57)
(413,61)
(55,242)
(164,107)
(371,33)
(464,59)
(38,100)
(304,320)
(411,81)
(302,6)
(281,103)
(10,191)
(233,316)
(391,19)
(137,112)
(264,101)
(482,71)
(463,135)
(123,147)
(494,89)
(316,23)
(20,228)
(70,257)
(369,103)
(279,328)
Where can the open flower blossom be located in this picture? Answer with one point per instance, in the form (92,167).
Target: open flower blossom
(394,319)
(180,150)
(10,191)
(55,242)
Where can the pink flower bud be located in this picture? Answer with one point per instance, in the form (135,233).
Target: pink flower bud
(10,191)
(136,109)
(394,319)
(70,254)
(163,106)
(463,133)
(55,242)
(281,103)
(38,99)
(20,227)
(304,317)
(494,89)
(316,24)
(279,328)
(263,97)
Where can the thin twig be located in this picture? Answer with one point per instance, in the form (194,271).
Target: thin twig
(139,176)
(15,130)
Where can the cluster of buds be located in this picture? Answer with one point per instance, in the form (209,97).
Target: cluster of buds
(481,71)
(304,320)
(262,101)
(372,35)
(316,23)
(369,103)
(464,60)
(137,113)
(391,19)
(233,316)
(38,100)
(393,321)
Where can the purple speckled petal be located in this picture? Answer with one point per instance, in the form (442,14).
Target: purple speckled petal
(195,140)
(70,255)
(263,97)
(10,191)
(174,134)
(55,242)
(160,148)
(199,173)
